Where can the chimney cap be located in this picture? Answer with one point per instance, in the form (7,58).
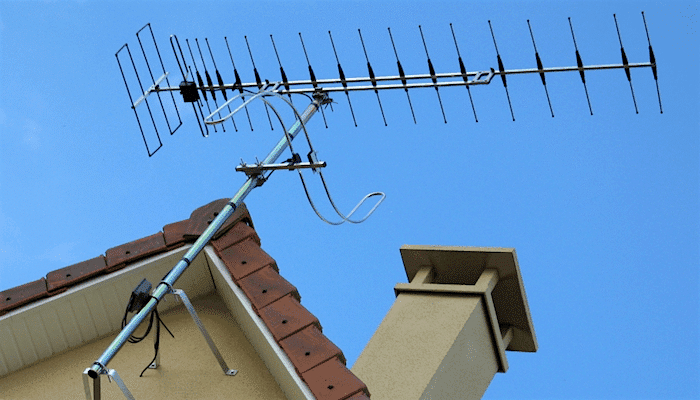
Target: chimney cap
(459,265)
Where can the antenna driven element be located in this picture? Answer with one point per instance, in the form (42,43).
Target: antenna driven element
(581,69)
(463,70)
(652,61)
(433,75)
(626,64)
(403,76)
(372,77)
(501,70)
(540,68)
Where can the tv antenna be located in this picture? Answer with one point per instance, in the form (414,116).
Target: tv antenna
(198,90)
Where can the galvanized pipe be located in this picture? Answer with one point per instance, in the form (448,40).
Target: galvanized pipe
(100,366)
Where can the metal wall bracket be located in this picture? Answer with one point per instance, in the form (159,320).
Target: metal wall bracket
(182,296)
(112,374)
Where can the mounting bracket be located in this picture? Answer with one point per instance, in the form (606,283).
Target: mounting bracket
(112,374)
(257,169)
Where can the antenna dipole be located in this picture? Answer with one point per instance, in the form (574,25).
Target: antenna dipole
(343,81)
(372,76)
(581,69)
(540,67)
(433,75)
(463,70)
(625,63)
(652,60)
(402,75)
(501,70)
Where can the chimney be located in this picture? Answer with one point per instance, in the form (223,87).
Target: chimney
(446,335)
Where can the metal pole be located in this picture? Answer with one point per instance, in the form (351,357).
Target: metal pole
(99,366)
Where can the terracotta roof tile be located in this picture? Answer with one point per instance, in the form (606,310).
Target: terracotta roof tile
(317,360)
(190,229)
(21,295)
(236,234)
(76,273)
(118,257)
(359,396)
(333,381)
(287,316)
(244,258)
(309,348)
(266,286)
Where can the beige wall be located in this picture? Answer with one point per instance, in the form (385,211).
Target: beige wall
(188,369)
(430,345)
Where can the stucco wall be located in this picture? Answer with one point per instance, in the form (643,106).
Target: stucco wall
(188,369)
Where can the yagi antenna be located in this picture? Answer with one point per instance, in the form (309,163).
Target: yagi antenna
(193,85)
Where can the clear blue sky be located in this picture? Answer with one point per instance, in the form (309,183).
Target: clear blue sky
(602,210)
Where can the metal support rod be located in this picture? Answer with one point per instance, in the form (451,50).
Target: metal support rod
(215,350)
(100,365)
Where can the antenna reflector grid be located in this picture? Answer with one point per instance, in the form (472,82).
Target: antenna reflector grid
(134,83)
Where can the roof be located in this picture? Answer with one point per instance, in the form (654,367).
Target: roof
(317,361)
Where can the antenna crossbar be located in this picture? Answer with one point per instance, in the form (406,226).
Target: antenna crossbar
(475,78)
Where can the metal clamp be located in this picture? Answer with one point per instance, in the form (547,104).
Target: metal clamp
(97,393)
(257,169)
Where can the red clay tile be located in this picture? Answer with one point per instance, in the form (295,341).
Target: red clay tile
(203,216)
(190,229)
(174,234)
(75,273)
(238,233)
(133,251)
(287,316)
(309,348)
(21,295)
(333,381)
(265,286)
(359,396)
(244,258)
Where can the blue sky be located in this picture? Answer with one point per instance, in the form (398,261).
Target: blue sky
(603,210)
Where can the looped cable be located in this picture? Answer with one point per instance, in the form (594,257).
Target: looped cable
(344,218)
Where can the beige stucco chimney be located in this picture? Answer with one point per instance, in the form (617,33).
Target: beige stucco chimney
(446,335)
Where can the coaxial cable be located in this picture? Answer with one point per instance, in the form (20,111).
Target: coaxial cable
(220,81)
(238,83)
(257,79)
(312,76)
(285,81)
